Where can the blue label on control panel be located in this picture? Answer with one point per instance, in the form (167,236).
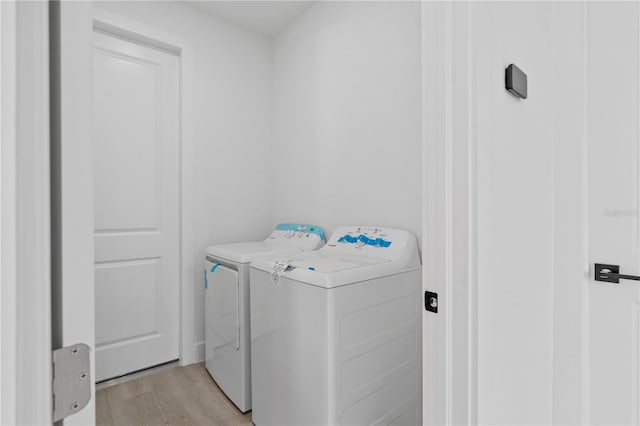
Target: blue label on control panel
(377,242)
(301,227)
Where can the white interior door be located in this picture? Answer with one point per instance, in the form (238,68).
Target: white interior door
(136,184)
(613,225)
(554,186)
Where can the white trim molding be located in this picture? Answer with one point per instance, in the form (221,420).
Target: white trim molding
(158,38)
(449,211)
(25,260)
(199,351)
(8,285)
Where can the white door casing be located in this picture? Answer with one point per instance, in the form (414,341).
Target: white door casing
(449,219)
(25,226)
(435,95)
(136,184)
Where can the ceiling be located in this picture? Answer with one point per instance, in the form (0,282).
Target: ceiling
(265,17)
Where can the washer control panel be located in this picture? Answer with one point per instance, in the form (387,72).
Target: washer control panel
(370,241)
(363,239)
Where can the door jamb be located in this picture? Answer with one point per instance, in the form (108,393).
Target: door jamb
(449,212)
(190,351)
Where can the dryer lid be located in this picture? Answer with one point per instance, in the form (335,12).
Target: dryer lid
(246,252)
(286,237)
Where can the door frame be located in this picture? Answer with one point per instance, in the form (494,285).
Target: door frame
(25,255)
(449,247)
(449,149)
(127,29)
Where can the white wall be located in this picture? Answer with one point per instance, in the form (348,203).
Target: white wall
(346,82)
(233,104)
(347,91)
(514,140)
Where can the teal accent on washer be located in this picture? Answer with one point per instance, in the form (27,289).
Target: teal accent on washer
(301,227)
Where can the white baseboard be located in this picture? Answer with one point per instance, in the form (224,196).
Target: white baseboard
(198,352)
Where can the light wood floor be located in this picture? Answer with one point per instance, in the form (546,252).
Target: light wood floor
(173,396)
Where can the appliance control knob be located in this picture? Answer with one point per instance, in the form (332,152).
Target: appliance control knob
(289,234)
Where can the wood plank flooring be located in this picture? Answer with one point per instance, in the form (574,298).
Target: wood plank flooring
(173,396)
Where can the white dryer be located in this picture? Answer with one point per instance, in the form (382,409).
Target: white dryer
(336,336)
(226,280)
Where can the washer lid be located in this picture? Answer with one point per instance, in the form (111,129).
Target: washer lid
(329,263)
(352,254)
(326,270)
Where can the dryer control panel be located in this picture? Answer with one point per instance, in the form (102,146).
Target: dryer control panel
(293,231)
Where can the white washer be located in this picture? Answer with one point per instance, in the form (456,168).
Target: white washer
(226,277)
(336,338)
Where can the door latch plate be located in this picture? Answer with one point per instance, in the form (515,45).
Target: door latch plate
(607,273)
(71,380)
(431,301)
